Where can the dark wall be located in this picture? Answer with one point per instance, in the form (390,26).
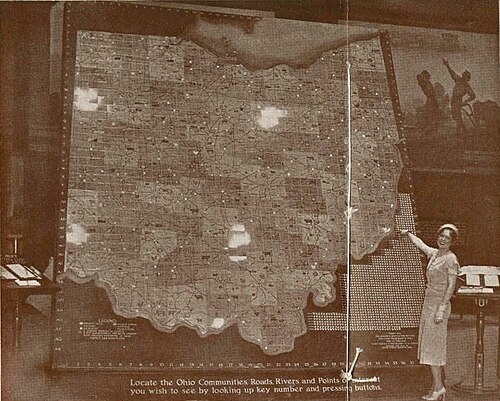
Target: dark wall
(29,129)
(470,201)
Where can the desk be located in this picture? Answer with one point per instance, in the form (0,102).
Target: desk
(15,294)
(481,300)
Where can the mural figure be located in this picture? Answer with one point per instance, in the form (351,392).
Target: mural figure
(461,89)
(431,112)
(443,100)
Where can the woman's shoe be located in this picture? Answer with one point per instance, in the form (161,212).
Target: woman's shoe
(436,395)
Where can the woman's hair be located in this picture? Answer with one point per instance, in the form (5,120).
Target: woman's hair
(453,231)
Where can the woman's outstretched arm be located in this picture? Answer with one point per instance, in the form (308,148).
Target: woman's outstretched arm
(418,242)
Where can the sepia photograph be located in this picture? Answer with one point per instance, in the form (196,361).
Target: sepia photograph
(250,200)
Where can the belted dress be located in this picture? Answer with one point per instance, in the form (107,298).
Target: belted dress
(432,336)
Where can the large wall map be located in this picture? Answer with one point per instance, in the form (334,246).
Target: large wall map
(206,193)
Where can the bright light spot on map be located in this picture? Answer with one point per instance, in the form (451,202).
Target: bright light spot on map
(237,258)
(76,234)
(238,236)
(86,99)
(218,323)
(269,117)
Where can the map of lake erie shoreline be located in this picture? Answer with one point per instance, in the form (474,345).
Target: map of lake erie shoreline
(206,194)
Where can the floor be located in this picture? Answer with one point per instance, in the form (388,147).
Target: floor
(25,376)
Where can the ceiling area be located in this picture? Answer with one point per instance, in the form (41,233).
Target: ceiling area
(466,15)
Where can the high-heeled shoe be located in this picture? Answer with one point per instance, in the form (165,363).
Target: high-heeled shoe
(436,395)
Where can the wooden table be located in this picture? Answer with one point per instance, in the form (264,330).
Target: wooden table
(13,295)
(481,300)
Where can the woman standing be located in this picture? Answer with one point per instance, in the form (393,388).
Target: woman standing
(442,271)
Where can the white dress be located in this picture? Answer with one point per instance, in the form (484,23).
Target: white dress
(432,336)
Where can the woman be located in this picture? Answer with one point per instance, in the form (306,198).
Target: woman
(442,271)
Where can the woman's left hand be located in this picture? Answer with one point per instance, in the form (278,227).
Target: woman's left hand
(439,316)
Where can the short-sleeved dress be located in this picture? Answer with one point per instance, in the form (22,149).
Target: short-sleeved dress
(432,336)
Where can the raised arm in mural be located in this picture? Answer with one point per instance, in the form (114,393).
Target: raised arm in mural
(461,89)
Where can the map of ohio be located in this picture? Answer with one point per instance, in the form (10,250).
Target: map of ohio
(207,193)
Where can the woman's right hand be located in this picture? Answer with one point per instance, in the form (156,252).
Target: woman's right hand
(404,232)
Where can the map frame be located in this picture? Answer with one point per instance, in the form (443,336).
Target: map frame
(79,18)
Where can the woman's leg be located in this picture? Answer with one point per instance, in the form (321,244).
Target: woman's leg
(436,377)
(432,387)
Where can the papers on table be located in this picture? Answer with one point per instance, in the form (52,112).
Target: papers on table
(491,280)
(472,279)
(27,283)
(24,276)
(495,270)
(475,290)
(485,276)
(24,272)
(7,275)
